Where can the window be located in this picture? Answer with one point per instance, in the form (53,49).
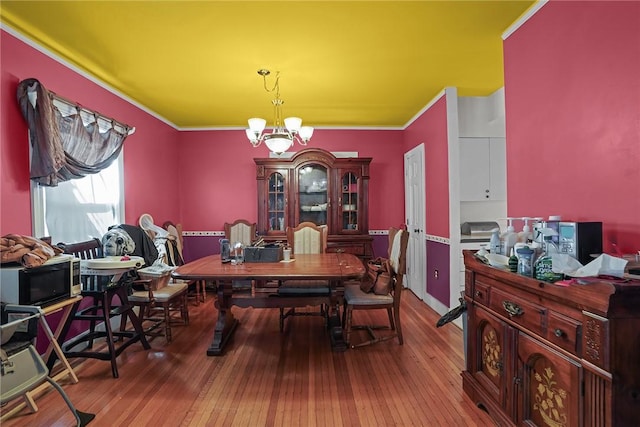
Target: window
(79,209)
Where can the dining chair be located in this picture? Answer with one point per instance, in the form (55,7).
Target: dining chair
(162,305)
(175,257)
(244,232)
(356,299)
(306,238)
(241,231)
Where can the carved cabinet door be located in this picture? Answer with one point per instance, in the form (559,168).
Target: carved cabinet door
(490,363)
(549,391)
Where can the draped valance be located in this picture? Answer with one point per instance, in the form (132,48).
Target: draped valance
(67,141)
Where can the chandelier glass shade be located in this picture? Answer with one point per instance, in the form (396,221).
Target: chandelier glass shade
(284,132)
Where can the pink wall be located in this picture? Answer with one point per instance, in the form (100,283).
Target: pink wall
(218,175)
(431,129)
(572,91)
(201,179)
(151,176)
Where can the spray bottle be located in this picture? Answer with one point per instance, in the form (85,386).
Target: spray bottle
(508,239)
(543,268)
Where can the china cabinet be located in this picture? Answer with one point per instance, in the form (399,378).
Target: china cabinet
(541,354)
(314,185)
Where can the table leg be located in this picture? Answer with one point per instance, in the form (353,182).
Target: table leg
(335,327)
(226,323)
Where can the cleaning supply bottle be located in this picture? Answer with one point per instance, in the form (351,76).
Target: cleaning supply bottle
(494,243)
(543,267)
(513,261)
(508,239)
(525,261)
(525,236)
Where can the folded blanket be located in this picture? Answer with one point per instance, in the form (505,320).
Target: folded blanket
(27,250)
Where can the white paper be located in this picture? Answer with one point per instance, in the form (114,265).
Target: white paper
(603,265)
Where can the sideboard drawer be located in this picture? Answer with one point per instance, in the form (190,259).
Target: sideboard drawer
(481,293)
(564,332)
(524,313)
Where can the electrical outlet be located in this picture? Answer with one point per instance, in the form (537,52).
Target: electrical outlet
(435,274)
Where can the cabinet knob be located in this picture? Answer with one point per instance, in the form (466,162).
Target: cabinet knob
(558,332)
(478,294)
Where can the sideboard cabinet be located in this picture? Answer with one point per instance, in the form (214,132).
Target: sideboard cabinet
(541,354)
(314,185)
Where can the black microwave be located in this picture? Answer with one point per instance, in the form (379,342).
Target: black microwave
(55,280)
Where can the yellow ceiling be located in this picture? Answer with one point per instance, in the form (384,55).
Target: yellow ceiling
(341,63)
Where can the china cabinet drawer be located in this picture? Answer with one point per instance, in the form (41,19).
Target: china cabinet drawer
(350,249)
(526,314)
(564,332)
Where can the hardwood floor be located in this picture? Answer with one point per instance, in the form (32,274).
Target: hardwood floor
(268,378)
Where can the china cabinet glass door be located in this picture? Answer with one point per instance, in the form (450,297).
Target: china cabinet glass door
(349,201)
(276,203)
(313,194)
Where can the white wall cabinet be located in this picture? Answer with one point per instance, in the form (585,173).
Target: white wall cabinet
(483,172)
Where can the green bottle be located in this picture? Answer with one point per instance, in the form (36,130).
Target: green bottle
(544,265)
(513,261)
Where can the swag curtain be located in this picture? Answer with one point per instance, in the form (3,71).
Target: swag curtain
(65,147)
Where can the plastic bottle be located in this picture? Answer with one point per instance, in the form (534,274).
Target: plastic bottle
(525,261)
(494,243)
(543,267)
(525,236)
(513,261)
(508,239)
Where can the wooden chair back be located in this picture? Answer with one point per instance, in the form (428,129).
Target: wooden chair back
(90,249)
(241,231)
(398,242)
(307,238)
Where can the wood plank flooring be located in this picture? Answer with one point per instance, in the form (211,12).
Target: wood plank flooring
(268,378)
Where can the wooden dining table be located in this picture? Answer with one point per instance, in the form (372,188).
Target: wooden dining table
(336,268)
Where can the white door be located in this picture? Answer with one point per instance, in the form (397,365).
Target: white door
(415,210)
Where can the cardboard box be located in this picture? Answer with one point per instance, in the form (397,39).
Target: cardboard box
(263,254)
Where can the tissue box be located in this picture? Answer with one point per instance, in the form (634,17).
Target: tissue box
(263,254)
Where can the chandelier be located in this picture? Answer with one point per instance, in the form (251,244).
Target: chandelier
(284,133)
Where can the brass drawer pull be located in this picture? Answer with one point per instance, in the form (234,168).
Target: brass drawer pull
(512,308)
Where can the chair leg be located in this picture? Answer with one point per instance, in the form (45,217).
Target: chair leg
(391,322)
(197,286)
(203,289)
(167,321)
(106,307)
(396,314)
(184,308)
(348,313)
